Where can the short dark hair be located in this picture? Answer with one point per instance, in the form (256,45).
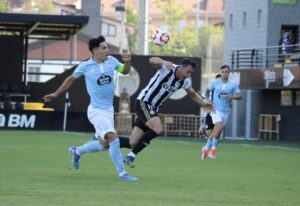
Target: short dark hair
(188,62)
(93,43)
(225,66)
(218,76)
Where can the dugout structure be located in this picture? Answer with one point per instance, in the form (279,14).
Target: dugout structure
(16,30)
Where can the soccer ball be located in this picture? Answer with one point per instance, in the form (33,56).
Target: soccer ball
(161,37)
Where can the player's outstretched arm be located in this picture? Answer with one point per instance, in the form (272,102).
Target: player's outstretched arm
(157,63)
(199,100)
(207,91)
(63,87)
(126,57)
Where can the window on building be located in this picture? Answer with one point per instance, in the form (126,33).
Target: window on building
(286,98)
(231,21)
(108,29)
(244,19)
(258,21)
(298,97)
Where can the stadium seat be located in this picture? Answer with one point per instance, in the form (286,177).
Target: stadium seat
(19,107)
(39,106)
(7,105)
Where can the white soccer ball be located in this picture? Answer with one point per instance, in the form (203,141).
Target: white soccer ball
(161,37)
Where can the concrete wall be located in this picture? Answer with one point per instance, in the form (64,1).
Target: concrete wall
(252,35)
(243,121)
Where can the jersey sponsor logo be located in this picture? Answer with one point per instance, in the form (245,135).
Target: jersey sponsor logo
(105,79)
(168,87)
(223,95)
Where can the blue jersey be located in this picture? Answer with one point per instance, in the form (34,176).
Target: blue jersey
(99,80)
(220,91)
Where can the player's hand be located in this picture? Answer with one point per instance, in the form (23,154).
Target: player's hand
(230,97)
(168,64)
(126,57)
(208,105)
(49,97)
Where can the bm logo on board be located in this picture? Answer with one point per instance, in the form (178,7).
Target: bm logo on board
(17,120)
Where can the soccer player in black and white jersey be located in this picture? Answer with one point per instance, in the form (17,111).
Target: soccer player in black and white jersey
(168,79)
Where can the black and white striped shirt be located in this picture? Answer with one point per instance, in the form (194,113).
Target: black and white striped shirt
(161,86)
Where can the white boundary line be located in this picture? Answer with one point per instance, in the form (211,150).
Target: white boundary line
(281,147)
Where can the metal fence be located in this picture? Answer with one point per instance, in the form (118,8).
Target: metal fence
(173,124)
(265,57)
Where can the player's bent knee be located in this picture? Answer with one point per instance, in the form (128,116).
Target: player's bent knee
(103,143)
(110,136)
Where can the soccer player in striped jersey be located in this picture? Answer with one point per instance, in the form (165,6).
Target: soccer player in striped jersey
(168,79)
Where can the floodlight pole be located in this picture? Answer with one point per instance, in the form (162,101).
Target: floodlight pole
(143,27)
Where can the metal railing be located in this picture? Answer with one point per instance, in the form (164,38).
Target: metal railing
(265,57)
(173,124)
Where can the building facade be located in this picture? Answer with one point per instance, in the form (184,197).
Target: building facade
(257,27)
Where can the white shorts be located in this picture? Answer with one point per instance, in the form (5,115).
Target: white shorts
(102,120)
(219,117)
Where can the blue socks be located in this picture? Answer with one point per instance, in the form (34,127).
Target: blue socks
(208,144)
(90,147)
(211,143)
(116,156)
(214,143)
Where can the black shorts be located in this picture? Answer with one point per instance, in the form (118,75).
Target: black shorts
(209,123)
(144,112)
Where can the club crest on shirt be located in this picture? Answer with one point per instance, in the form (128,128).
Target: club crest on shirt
(152,112)
(104,80)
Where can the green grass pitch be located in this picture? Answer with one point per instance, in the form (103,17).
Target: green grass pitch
(35,170)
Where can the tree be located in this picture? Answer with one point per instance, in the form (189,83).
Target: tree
(4,6)
(186,42)
(38,6)
(132,18)
(172,15)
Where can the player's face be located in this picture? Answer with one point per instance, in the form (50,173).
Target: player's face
(225,73)
(102,51)
(186,71)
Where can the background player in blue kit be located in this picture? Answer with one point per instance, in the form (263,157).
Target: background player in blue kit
(99,78)
(223,91)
